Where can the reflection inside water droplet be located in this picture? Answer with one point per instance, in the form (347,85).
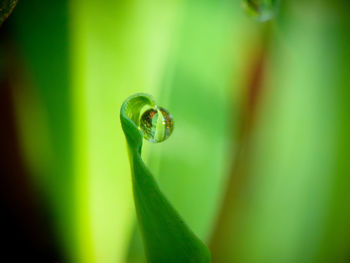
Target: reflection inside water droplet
(261,10)
(156,124)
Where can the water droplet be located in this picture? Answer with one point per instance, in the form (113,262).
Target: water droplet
(156,124)
(261,10)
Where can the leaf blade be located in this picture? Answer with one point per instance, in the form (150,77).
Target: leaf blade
(165,235)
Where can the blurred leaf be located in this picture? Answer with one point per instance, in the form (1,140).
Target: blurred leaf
(293,205)
(41,31)
(166,237)
(6,8)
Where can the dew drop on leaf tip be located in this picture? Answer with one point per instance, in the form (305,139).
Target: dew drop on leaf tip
(156,124)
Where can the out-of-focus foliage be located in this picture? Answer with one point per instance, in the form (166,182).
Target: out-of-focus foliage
(43,98)
(264,107)
(288,202)
(6,7)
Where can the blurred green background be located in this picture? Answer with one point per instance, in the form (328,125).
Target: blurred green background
(258,163)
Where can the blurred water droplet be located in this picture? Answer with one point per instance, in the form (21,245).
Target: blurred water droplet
(156,124)
(261,10)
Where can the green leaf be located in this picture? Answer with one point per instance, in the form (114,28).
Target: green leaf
(165,235)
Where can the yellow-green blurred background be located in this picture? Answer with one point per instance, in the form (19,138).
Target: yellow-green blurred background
(258,164)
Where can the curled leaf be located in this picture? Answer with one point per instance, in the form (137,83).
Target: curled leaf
(165,235)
